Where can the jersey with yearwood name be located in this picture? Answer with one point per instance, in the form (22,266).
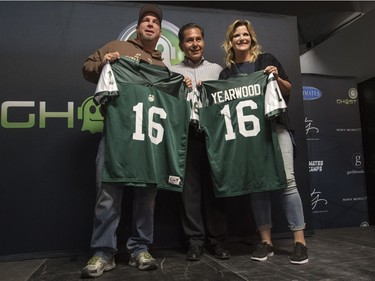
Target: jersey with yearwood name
(146,124)
(241,139)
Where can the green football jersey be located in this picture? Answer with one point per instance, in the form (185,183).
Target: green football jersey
(241,138)
(146,125)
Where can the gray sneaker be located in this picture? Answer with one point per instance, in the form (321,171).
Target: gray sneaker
(144,261)
(96,266)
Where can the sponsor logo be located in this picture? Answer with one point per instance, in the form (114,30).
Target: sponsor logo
(89,113)
(316,166)
(353,94)
(311,93)
(29,114)
(310,129)
(346,101)
(351,199)
(167,44)
(354,172)
(357,162)
(32,114)
(348,129)
(316,200)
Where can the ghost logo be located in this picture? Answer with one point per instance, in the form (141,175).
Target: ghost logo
(90,114)
(167,44)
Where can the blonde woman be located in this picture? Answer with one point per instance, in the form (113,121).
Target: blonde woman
(243,55)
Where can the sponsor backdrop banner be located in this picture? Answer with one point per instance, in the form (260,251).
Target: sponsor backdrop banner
(334,140)
(50,127)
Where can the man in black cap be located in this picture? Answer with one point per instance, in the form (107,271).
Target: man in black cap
(108,202)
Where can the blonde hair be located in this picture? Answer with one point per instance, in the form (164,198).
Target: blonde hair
(255,48)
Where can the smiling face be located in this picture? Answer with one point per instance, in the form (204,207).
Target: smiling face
(193,44)
(241,40)
(149,29)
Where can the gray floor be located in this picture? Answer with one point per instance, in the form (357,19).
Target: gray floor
(334,254)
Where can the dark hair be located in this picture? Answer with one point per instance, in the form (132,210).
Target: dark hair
(186,27)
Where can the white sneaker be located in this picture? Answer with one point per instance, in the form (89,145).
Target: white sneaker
(96,266)
(144,261)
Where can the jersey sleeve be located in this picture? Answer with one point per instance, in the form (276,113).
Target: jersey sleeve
(274,103)
(107,86)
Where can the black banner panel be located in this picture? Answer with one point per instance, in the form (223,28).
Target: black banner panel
(334,140)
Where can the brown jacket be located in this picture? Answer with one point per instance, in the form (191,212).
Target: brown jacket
(132,48)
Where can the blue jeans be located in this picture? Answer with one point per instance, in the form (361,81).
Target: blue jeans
(108,213)
(289,197)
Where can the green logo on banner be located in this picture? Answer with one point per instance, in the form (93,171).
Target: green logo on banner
(89,113)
